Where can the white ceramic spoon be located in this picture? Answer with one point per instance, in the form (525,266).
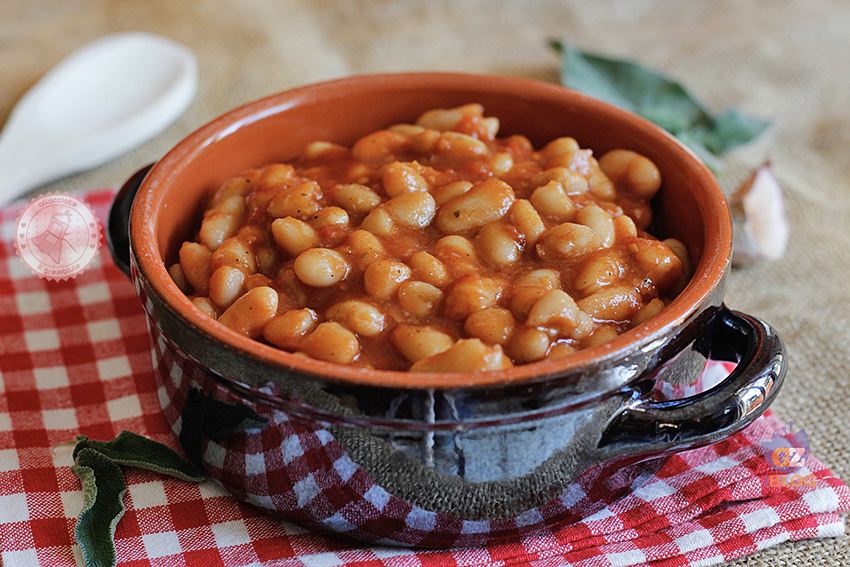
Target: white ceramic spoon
(104,99)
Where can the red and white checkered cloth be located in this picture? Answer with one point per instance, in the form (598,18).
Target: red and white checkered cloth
(75,359)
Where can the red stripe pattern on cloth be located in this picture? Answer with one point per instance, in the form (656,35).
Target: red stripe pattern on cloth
(75,358)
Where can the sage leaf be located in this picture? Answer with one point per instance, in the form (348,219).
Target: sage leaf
(661,100)
(204,416)
(103,494)
(732,129)
(132,449)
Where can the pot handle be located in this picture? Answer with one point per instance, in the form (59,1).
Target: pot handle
(650,427)
(118,223)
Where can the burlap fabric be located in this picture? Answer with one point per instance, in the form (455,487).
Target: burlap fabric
(785,61)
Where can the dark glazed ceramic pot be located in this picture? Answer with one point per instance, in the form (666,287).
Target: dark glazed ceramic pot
(436,460)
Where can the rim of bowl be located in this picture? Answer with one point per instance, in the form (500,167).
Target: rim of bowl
(713,264)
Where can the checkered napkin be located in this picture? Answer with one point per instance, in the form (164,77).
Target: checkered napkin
(75,359)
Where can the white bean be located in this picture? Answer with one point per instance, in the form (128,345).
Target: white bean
(406,129)
(448,118)
(552,201)
(293,235)
(602,224)
(195,263)
(275,176)
(377,147)
(176,273)
(499,244)
(383,277)
(458,254)
(320,148)
(218,227)
(237,253)
(556,310)
(380,222)
(601,335)
(355,198)
(429,269)
(300,201)
(365,248)
(419,298)
(615,303)
(445,193)
(485,202)
(331,342)
(528,344)
(494,325)
(681,252)
(288,329)
(363,318)
(524,216)
(659,263)
(226,285)
(416,342)
(466,355)
(412,210)
(471,294)
(567,240)
(598,272)
(637,174)
(572,181)
(558,146)
(329,216)
(250,313)
(400,178)
(205,305)
(530,287)
(501,163)
(320,267)
(579,160)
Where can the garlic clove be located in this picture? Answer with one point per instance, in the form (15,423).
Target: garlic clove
(760,228)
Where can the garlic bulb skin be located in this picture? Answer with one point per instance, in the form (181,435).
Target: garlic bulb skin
(760,228)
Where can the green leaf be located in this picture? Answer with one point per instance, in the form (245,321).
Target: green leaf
(657,98)
(132,449)
(97,464)
(103,493)
(732,129)
(696,145)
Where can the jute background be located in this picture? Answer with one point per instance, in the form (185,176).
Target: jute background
(784,60)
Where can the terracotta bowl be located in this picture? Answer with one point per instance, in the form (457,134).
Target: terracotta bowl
(437,460)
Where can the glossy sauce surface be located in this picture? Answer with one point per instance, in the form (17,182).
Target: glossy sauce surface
(435,246)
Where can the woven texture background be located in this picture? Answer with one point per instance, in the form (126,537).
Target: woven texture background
(783,60)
